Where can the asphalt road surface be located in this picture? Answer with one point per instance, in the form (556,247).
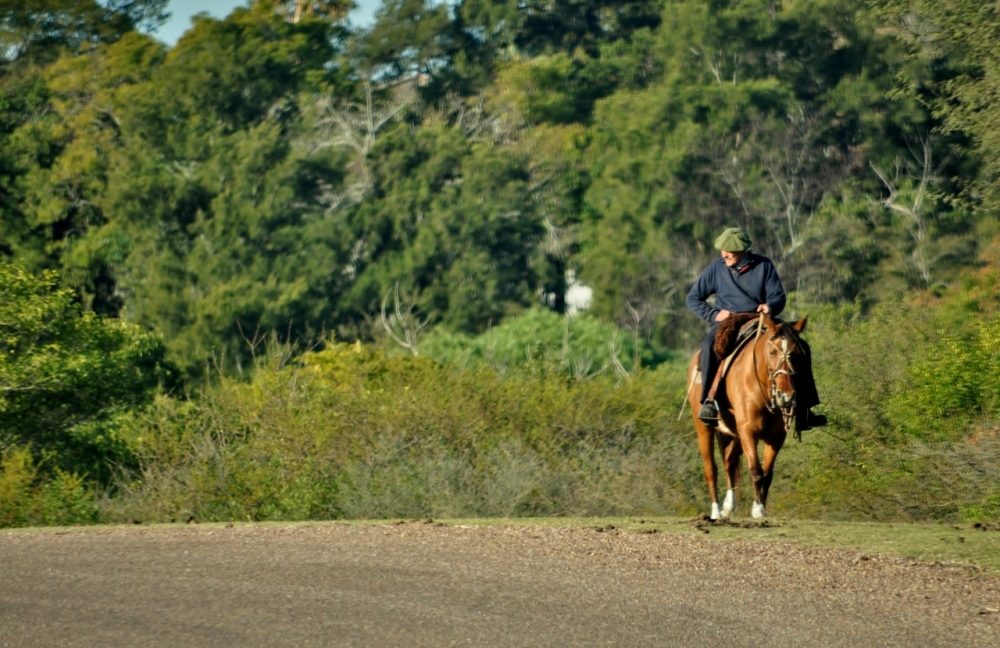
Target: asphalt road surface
(425,585)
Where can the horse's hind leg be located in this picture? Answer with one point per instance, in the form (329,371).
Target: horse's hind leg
(706,444)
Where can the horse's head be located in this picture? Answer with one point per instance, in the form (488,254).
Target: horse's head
(782,346)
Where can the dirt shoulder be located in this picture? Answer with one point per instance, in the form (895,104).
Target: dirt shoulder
(971,544)
(428,585)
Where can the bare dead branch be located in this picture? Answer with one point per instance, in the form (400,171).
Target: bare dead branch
(778,174)
(356,126)
(616,361)
(919,177)
(410,326)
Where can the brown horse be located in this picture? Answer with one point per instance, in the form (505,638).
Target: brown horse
(757,404)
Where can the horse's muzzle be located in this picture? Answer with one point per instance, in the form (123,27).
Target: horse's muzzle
(783,400)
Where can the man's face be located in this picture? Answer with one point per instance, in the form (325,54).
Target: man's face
(732,258)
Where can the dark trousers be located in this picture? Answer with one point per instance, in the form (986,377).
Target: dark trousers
(805,385)
(709,361)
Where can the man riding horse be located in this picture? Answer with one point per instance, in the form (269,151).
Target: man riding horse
(743,282)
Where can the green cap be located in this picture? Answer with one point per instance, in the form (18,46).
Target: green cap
(733,239)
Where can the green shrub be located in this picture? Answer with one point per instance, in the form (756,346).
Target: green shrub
(913,408)
(65,374)
(27,500)
(951,382)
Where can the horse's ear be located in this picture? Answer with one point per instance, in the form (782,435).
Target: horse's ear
(800,326)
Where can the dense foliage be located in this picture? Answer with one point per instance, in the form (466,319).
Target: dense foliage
(579,346)
(276,170)
(65,374)
(446,175)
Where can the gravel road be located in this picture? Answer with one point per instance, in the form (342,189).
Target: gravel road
(424,585)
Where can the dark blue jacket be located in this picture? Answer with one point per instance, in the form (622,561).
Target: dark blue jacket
(757,277)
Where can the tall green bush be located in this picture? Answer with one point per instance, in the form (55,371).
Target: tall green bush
(951,382)
(66,374)
(914,412)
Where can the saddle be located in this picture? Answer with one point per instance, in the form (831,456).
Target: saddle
(730,339)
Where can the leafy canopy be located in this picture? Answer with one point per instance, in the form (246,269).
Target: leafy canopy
(64,372)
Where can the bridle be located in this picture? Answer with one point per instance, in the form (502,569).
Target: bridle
(783,367)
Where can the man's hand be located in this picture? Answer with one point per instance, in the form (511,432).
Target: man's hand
(722,315)
(764,308)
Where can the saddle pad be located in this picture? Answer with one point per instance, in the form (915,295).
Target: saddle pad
(746,332)
(731,332)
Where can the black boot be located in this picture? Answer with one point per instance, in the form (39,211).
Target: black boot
(807,421)
(709,413)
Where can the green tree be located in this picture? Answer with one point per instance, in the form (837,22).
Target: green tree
(65,374)
(176,185)
(454,223)
(535,27)
(63,163)
(958,39)
(409,38)
(38,31)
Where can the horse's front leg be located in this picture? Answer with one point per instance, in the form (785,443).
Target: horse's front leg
(749,443)
(771,449)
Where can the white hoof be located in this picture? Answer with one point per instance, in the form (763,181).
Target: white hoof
(715,511)
(729,504)
(758,511)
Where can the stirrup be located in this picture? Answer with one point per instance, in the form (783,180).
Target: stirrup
(709,413)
